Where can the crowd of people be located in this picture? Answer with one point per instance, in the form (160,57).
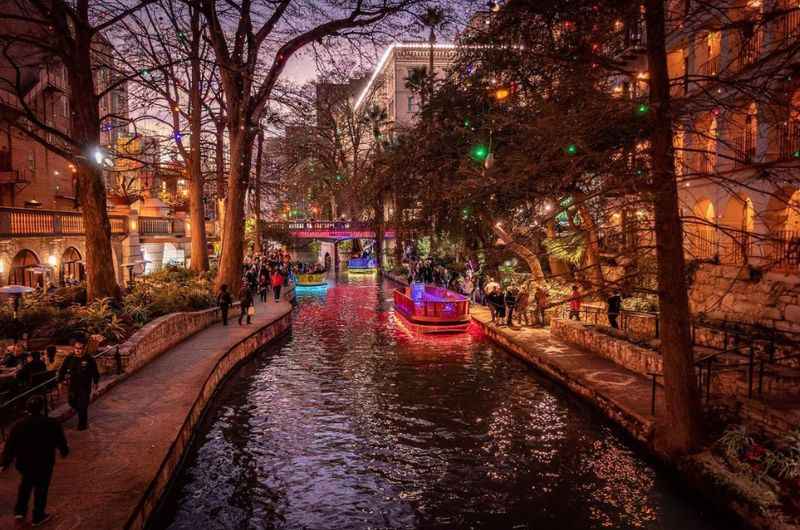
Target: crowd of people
(526,303)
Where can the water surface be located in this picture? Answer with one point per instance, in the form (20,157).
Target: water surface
(353,422)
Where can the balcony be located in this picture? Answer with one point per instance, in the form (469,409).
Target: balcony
(789,140)
(744,149)
(24,222)
(710,68)
(749,51)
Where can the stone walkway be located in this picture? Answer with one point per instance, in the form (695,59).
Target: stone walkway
(130,430)
(624,396)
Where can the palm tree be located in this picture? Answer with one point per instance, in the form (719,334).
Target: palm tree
(432,18)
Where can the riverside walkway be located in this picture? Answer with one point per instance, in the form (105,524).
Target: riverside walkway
(622,395)
(131,429)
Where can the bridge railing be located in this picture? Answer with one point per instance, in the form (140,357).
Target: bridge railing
(327,228)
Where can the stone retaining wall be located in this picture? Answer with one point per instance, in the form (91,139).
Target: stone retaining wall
(635,358)
(729,293)
(222,369)
(158,336)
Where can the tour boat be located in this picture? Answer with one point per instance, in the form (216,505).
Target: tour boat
(362,265)
(431,309)
(316,279)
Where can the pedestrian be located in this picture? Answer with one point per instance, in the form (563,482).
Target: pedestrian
(81,370)
(541,305)
(277,283)
(523,302)
(575,304)
(224,301)
(263,287)
(31,446)
(245,304)
(496,304)
(511,303)
(614,309)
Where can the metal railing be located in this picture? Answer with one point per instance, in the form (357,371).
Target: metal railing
(710,68)
(786,249)
(743,344)
(12,408)
(744,148)
(789,140)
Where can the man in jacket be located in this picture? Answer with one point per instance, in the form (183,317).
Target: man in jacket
(32,445)
(245,303)
(81,370)
(614,309)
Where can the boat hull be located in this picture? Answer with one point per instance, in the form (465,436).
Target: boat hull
(430,309)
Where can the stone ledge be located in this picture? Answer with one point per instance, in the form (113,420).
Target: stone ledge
(635,358)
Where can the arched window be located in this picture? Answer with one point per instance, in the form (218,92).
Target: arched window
(71,266)
(23,269)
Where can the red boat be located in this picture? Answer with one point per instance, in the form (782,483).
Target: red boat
(430,309)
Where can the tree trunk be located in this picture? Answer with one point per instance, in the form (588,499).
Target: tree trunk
(558,268)
(520,250)
(257,191)
(101,281)
(219,158)
(197,216)
(681,429)
(230,260)
(592,242)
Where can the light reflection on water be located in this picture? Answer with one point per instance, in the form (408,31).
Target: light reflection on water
(356,422)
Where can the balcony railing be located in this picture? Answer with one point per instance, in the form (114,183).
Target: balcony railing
(786,249)
(710,68)
(744,148)
(155,226)
(789,140)
(749,51)
(24,222)
(789,24)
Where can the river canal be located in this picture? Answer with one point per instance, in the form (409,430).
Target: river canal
(355,422)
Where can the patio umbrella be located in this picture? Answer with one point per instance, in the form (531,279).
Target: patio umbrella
(15,291)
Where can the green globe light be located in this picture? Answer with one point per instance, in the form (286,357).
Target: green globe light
(572,149)
(479,152)
(796,154)
(642,109)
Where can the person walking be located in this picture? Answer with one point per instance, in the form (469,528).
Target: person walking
(81,370)
(614,309)
(575,304)
(245,303)
(224,301)
(540,297)
(31,446)
(277,283)
(263,286)
(511,304)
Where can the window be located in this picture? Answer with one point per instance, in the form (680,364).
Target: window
(411,104)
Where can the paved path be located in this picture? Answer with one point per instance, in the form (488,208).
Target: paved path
(130,431)
(623,395)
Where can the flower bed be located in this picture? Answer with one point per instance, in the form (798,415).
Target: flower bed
(53,317)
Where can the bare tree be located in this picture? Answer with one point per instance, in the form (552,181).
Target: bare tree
(72,34)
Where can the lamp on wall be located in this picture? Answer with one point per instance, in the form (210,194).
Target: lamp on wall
(52,260)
